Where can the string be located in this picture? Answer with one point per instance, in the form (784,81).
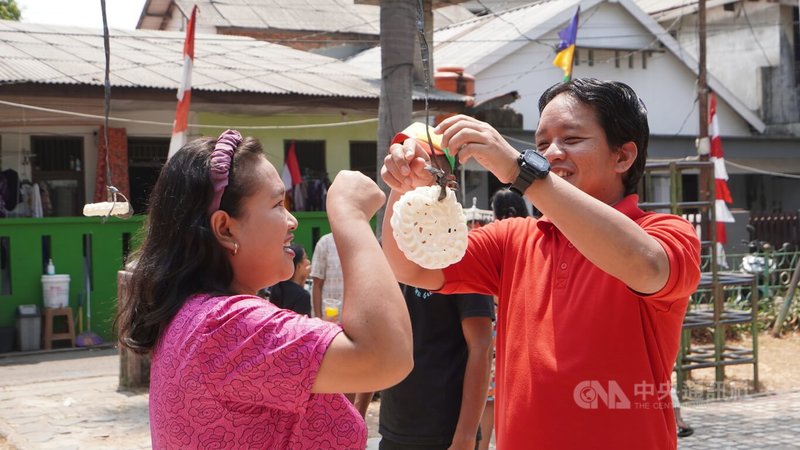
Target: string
(112,190)
(425,53)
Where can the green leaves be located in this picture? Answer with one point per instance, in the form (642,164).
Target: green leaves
(9,10)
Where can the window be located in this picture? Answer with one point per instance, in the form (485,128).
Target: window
(58,168)
(146,156)
(363,158)
(311,159)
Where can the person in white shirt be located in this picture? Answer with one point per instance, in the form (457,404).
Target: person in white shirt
(326,273)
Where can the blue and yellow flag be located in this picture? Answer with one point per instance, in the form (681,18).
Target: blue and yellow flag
(566,48)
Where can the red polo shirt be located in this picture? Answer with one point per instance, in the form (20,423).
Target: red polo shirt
(582,360)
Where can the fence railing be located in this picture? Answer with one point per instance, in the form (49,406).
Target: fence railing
(776,228)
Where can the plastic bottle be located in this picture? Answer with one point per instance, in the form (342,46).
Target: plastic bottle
(51,268)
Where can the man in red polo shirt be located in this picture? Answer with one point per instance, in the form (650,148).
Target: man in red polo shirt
(592,295)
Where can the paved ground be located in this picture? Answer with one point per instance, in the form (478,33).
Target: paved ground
(69,400)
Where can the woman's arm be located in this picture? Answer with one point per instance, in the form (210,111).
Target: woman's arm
(375,350)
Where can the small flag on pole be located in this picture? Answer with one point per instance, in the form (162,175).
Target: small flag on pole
(291,170)
(181,123)
(721,192)
(566,48)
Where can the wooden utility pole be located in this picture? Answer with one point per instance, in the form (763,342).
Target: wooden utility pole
(398,31)
(703,145)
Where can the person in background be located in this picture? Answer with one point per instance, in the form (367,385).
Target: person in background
(440,404)
(291,294)
(230,369)
(327,283)
(684,430)
(505,204)
(592,295)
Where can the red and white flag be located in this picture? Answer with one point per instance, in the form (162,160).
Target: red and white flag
(291,170)
(722,193)
(184,90)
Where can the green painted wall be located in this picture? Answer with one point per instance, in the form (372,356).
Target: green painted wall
(337,139)
(26,266)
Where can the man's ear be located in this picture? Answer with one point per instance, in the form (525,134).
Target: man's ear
(626,156)
(222,226)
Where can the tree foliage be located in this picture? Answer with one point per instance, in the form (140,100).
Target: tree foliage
(9,10)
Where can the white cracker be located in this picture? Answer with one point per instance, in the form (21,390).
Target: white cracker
(430,232)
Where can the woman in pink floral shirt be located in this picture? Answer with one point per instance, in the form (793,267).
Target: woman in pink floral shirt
(229,369)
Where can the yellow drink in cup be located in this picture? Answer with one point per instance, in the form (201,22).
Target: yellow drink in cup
(330,309)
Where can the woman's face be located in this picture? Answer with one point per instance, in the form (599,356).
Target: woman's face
(263,232)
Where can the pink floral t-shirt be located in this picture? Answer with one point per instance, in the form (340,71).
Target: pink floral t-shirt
(236,372)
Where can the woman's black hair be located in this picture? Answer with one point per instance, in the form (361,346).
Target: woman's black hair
(620,112)
(180,255)
(299,253)
(507,204)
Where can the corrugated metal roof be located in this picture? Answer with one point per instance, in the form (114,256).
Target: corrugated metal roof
(49,54)
(478,43)
(329,16)
(662,10)
(297,15)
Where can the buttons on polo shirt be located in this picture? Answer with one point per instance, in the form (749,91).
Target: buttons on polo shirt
(569,244)
(563,266)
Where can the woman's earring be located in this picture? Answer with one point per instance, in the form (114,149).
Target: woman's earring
(235,248)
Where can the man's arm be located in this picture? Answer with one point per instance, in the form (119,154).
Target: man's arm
(316,296)
(613,242)
(605,236)
(404,270)
(478,335)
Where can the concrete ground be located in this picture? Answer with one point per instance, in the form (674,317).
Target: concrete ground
(69,400)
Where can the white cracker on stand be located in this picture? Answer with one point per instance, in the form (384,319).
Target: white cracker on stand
(431,233)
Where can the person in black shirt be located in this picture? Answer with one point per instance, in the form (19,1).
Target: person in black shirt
(439,405)
(291,294)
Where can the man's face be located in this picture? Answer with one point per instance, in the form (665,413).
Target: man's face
(571,138)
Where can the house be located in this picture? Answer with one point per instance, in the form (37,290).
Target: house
(52,110)
(513,50)
(751,48)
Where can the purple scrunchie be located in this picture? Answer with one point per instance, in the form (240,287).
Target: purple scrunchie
(220,165)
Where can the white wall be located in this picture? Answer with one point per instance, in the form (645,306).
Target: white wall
(666,85)
(736,50)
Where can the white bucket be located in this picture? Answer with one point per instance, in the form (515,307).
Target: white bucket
(56,290)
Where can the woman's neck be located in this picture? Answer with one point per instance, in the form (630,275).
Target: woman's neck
(297,280)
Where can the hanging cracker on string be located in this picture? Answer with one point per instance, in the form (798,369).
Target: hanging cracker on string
(429,232)
(428,223)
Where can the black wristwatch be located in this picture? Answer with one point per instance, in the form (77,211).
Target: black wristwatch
(532,166)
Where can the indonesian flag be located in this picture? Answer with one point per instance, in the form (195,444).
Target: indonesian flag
(291,170)
(723,194)
(184,90)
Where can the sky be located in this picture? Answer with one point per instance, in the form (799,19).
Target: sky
(122,14)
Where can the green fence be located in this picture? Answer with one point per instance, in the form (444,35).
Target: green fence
(26,245)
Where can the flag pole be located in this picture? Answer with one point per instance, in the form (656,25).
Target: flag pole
(181,123)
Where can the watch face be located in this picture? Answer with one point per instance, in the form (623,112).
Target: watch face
(537,162)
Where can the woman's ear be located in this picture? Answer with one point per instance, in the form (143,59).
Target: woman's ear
(626,156)
(221,226)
